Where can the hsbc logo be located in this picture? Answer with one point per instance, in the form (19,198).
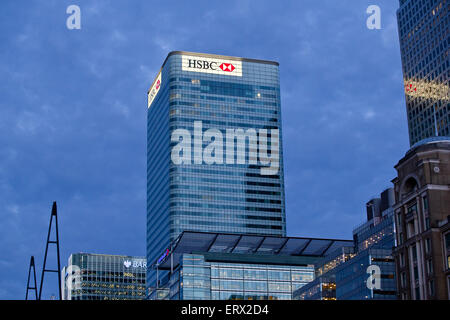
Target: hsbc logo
(209,65)
(154,89)
(228,67)
(205,65)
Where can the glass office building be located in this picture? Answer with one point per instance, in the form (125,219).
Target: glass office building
(323,287)
(104,277)
(423,27)
(214,149)
(343,274)
(219,266)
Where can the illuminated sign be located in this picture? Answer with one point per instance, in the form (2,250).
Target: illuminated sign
(127,263)
(154,89)
(135,264)
(212,65)
(164,256)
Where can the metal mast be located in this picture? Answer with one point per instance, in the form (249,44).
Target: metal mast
(44,270)
(28,281)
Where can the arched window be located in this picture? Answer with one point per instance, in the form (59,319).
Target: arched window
(409,186)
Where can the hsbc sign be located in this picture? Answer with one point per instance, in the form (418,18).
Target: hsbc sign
(214,66)
(154,90)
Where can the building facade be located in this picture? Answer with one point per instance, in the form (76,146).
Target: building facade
(214,149)
(323,287)
(104,277)
(423,27)
(344,274)
(422,209)
(218,266)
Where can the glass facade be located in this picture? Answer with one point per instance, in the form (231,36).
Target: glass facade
(351,278)
(343,275)
(197,279)
(220,266)
(104,277)
(324,285)
(220,196)
(423,27)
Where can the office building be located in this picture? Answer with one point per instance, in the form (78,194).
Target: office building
(423,27)
(323,287)
(343,274)
(221,266)
(104,277)
(422,210)
(214,149)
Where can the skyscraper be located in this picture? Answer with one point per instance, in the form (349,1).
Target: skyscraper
(423,27)
(214,151)
(103,277)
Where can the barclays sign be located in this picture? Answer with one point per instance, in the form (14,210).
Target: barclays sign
(135,264)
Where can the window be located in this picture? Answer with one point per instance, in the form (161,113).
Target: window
(414,253)
(425,203)
(448,287)
(411,230)
(428,245)
(403,279)
(427,222)
(430,266)
(447,241)
(431,287)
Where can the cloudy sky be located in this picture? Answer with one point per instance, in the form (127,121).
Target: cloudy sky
(73,114)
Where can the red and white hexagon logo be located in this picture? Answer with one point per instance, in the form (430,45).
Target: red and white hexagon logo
(228,67)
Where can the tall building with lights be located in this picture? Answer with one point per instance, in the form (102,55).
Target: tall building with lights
(90,276)
(214,150)
(423,28)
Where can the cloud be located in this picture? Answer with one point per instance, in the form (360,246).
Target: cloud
(73,114)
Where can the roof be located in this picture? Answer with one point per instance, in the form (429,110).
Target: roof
(227,243)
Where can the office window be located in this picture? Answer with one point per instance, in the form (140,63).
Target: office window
(414,253)
(447,241)
(425,203)
(428,245)
(448,287)
(411,229)
(403,279)
(431,287)
(430,266)
(427,222)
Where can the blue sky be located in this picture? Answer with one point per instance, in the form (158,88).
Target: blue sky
(73,113)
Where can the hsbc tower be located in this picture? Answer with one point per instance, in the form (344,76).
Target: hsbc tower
(214,150)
